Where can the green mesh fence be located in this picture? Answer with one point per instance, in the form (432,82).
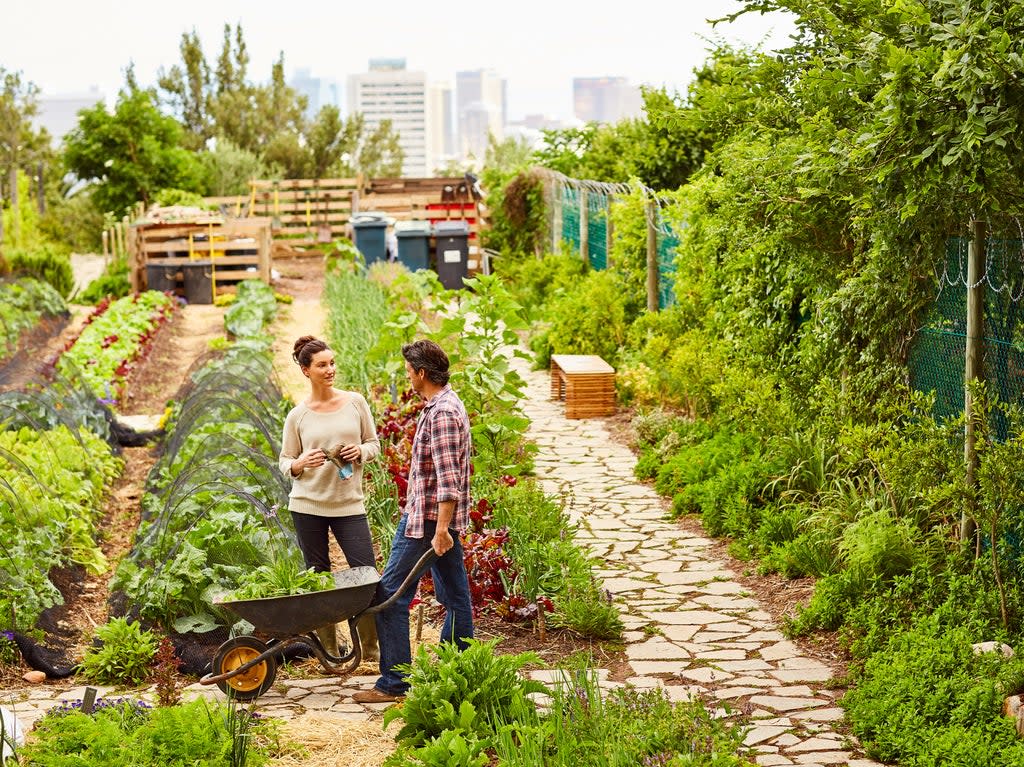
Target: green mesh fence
(936,361)
(598,205)
(667,244)
(597,229)
(571,217)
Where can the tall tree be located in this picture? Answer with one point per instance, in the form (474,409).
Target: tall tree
(188,91)
(131,154)
(21,145)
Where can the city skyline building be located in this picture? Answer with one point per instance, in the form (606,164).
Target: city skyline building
(481,105)
(319,91)
(605,99)
(442,133)
(389,91)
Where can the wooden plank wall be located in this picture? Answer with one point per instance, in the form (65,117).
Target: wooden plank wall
(306,213)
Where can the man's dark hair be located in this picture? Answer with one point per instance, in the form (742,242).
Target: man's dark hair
(429,357)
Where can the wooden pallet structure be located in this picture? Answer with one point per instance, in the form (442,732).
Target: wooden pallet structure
(234,249)
(305,214)
(586,383)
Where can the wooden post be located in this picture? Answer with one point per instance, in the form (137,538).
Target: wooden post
(42,192)
(652,256)
(15,217)
(106,245)
(975,350)
(556,219)
(584,227)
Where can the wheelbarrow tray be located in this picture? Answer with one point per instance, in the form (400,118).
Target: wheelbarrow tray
(295,614)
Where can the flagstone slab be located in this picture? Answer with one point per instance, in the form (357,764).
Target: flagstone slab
(679,633)
(705,674)
(761,733)
(818,674)
(816,744)
(662,566)
(655,649)
(683,693)
(720,655)
(772,760)
(783,703)
(729,693)
(780,651)
(832,714)
(619,585)
(793,691)
(750,664)
(691,576)
(823,758)
(689,617)
(646,667)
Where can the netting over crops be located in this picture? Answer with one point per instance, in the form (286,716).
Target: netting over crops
(937,356)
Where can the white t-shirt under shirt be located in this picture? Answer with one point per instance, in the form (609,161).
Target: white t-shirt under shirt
(321,491)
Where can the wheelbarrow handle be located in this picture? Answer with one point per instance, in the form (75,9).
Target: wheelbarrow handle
(425,563)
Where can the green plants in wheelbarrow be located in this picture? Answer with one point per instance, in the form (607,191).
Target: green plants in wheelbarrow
(281,579)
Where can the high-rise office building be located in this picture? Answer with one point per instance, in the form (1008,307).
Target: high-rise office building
(481,105)
(388,91)
(319,91)
(442,133)
(605,99)
(59,113)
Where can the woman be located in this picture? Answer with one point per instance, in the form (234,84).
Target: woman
(327,439)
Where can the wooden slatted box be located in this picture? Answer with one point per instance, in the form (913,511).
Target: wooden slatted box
(586,383)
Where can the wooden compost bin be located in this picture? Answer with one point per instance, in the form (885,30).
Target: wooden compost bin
(169,252)
(586,383)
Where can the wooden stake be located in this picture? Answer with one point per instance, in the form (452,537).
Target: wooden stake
(419,621)
(975,349)
(584,227)
(541,627)
(652,256)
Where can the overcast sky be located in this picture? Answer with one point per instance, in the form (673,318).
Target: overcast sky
(538,46)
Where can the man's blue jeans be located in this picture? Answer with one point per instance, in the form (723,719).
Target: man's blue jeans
(451,587)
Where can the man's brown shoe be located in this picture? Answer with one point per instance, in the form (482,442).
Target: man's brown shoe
(374,695)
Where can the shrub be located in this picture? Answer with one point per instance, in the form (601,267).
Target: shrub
(927,699)
(589,610)
(122,733)
(589,318)
(113,283)
(124,656)
(470,690)
(45,263)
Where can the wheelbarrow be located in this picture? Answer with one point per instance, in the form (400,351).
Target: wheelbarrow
(245,667)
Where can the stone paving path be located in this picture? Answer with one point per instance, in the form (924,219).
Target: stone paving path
(691,628)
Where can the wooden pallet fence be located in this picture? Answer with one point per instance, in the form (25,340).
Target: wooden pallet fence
(307,213)
(238,249)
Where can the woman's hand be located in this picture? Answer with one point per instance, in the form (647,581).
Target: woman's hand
(347,452)
(313,458)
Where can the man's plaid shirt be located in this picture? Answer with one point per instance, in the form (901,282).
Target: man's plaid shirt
(440,463)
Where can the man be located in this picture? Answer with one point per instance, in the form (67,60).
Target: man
(436,511)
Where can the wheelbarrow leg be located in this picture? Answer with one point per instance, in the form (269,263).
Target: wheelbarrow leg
(333,663)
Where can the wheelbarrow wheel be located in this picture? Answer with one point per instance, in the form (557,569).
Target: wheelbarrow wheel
(235,653)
